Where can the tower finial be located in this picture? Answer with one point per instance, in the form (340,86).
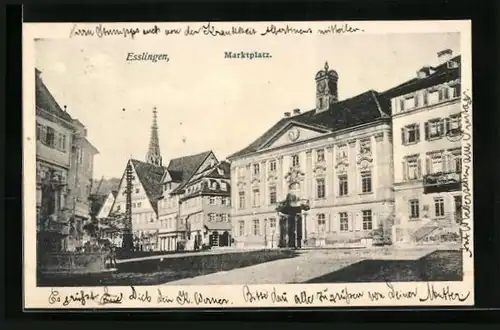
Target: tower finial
(154,156)
(326,66)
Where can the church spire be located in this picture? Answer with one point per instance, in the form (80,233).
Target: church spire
(154,156)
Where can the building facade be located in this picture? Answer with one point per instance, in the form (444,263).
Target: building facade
(183,205)
(56,146)
(336,157)
(427,149)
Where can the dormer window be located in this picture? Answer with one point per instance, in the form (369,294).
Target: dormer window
(223,186)
(213,186)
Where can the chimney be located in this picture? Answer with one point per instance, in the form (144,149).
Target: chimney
(296,111)
(444,56)
(287,114)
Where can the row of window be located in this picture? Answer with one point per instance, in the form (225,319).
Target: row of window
(51,138)
(142,218)
(343,189)
(215,217)
(322,226)
(429,97)
(439,207)
(433,129)
(342,153)
(436,162)
(219,200)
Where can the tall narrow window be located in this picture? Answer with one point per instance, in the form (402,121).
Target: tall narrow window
(439,207)
(366,182)
(38,131)
(343,187)
(256,198)
(321,222)
(241,228)
(256,169)
(272,195)
(295,160)
(414,209)
(456,91)
(241,200)
(320,188)
(50,141)
(367,220)
(412,170)
(344,221)
(272,165)
(256,227)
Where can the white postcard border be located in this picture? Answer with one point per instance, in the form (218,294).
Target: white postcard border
(350,294)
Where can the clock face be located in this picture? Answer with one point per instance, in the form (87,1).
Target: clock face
(321,86)
(293,134)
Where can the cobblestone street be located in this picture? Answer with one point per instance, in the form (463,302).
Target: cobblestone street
(310,264)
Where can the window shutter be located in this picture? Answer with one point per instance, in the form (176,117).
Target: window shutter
(446,126)
(441,127)
(359,221)
(403,136)
(417,132)
(419,167)
(426,130)
(427,165)
(350,221)
(405,171)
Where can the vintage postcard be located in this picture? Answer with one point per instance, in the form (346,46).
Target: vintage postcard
(248,164)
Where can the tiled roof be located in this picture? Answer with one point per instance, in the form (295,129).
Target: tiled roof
(187,166)
(361,109)
(97,202)
(180,169)
(47,102)
(216,171)
(150,177)
(441,73)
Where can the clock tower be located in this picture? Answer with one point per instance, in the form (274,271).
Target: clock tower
(326,88)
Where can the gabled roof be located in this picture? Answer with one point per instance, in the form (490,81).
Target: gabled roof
(150,177)
(46,101)
(361,109)
(441,73)
(187,165)
(220,171)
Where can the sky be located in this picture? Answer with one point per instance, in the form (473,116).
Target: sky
(207,102)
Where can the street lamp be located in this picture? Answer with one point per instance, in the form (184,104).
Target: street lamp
(304,224)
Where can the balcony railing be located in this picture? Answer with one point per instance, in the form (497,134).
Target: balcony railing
(442,182)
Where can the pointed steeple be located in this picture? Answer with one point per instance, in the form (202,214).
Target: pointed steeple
(154,156)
